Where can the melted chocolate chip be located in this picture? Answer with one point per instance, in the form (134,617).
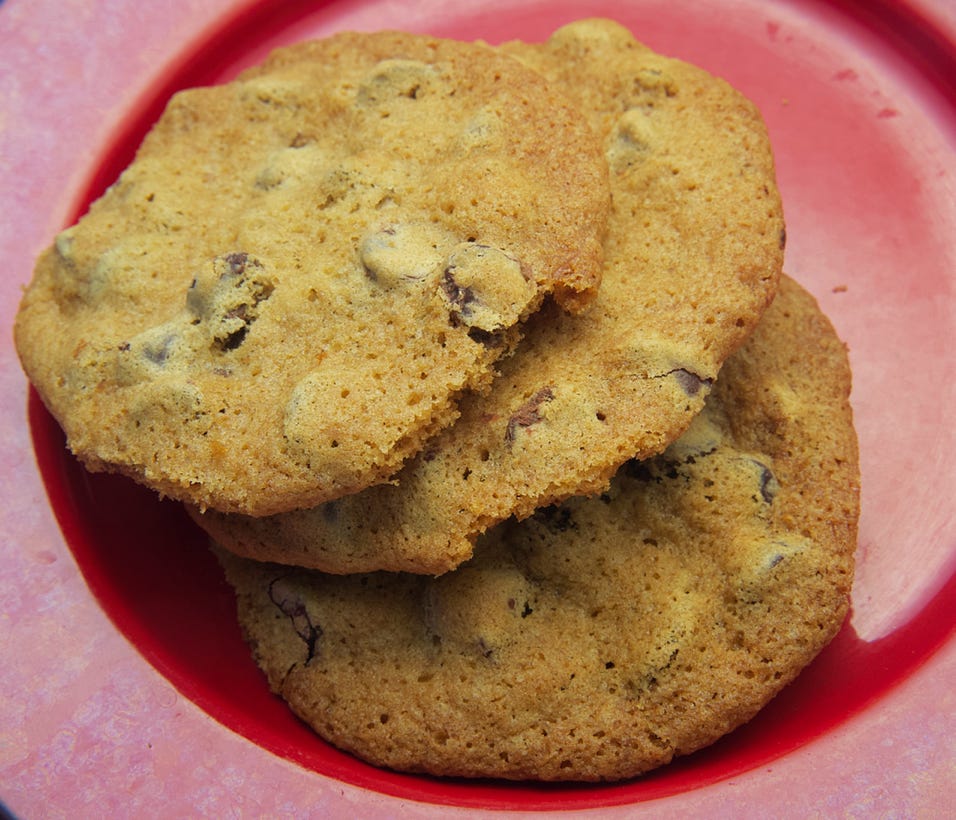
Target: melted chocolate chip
(458,296)
(556,519)
(638,470)
(234,339)
(240,285)
(236,262)
(488,338)
(768,482)
(293,607)
(690,382)
(159,354)
(528,413)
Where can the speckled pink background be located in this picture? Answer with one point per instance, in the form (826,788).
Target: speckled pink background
(89,729)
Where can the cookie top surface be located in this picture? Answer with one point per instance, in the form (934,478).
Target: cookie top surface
(602,637)
(282,296)
(693,256)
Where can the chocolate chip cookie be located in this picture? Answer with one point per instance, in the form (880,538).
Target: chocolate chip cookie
(600,638)
(693,256)
(284,294)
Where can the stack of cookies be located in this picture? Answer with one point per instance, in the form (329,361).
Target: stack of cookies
(478,365)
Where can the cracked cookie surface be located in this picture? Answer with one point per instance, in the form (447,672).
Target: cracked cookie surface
(693,257)
(285,293)
(601,638)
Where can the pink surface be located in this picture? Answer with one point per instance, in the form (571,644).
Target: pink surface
(863,122)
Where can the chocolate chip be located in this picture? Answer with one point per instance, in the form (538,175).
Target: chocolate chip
(529,413)
(294,607)
(461,298)
(768,482)
(485,287)
(556,519)
(690,382)
(159,353)
(404,253)
(638,470)
(229,303)
(237,262)
(396,78)
(486,338)
(234,339)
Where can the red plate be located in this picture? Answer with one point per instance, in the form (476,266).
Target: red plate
(860,100)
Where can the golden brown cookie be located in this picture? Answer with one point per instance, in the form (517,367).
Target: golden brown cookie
(283,295)
(598,639)
(693,256)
